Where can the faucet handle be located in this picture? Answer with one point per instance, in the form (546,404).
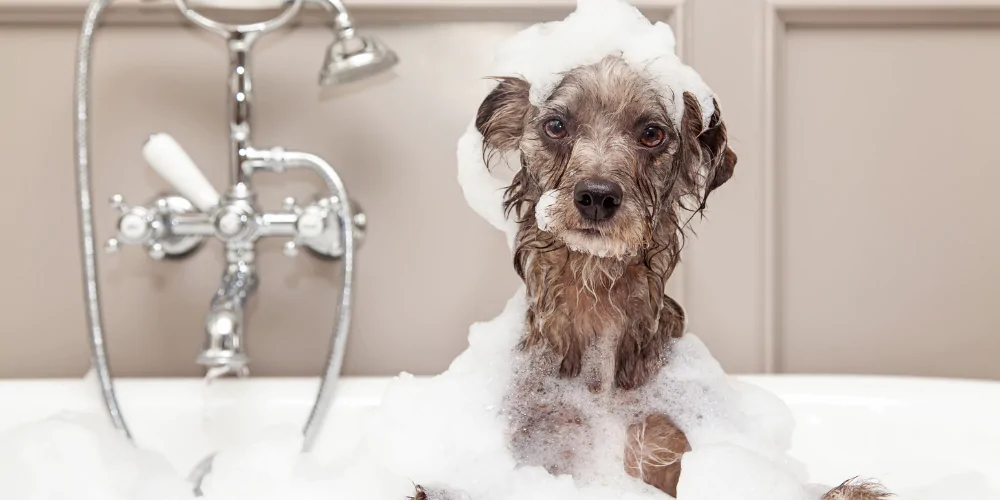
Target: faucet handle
(117,202)
(312,222)
(169,159)
(150,226)
(136,225)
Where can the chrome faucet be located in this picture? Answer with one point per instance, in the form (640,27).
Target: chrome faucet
(176,225)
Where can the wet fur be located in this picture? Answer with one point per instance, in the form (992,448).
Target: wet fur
(597,309)
(858,489)
(605,107)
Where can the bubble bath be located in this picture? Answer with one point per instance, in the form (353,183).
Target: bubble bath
(451,430)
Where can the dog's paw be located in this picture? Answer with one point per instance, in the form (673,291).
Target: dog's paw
(571,365)
(436,493)
(653,450)
(631,371)
(858,489)
(419,493)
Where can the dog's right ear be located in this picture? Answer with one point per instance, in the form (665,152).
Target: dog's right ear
(720,159)
(501,115)
(708,145)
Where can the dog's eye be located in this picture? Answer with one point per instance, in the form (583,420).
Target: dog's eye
(555,128)
(652,136)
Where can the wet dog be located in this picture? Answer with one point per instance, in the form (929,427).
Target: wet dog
(609,180)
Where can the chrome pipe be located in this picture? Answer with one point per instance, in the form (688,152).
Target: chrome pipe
(81,104)
(277,224)
(267,224)
(240,39)
(195,224)
(341,17)
(226,29)
(278,160)
(239,103)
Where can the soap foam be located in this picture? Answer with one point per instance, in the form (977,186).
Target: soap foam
(80,456)
(545,202)
(542,53)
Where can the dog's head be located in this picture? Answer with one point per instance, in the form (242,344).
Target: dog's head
(605,170)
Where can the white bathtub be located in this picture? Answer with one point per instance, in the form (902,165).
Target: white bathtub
(909,432)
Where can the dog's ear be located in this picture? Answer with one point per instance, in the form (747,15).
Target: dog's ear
(501,115)
(717,160)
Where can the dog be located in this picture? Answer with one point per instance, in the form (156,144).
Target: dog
(607,186)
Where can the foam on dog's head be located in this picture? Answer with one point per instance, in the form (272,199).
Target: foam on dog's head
(541,53)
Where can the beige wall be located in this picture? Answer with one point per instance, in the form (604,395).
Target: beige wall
(855,237)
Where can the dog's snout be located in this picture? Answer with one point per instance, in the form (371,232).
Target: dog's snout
(597,199)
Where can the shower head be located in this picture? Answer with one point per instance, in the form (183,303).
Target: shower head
(352,57)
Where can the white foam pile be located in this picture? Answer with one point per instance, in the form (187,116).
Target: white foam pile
(545,202)
(451,431)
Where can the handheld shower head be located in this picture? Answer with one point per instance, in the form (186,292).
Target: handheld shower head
(352,57)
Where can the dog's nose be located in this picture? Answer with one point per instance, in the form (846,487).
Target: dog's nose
(597,199)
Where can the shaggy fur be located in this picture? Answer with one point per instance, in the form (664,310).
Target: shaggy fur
(593,284)
(605,108)
(858,489)
(597,309)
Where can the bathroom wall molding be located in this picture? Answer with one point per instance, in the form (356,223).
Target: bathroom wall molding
(160,12)
(782,15)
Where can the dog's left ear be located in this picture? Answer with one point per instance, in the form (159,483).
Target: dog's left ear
(501,115)
(716,158)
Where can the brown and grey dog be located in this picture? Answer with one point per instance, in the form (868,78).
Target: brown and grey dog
(622,181)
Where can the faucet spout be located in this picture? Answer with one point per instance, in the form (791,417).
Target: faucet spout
(224,350)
